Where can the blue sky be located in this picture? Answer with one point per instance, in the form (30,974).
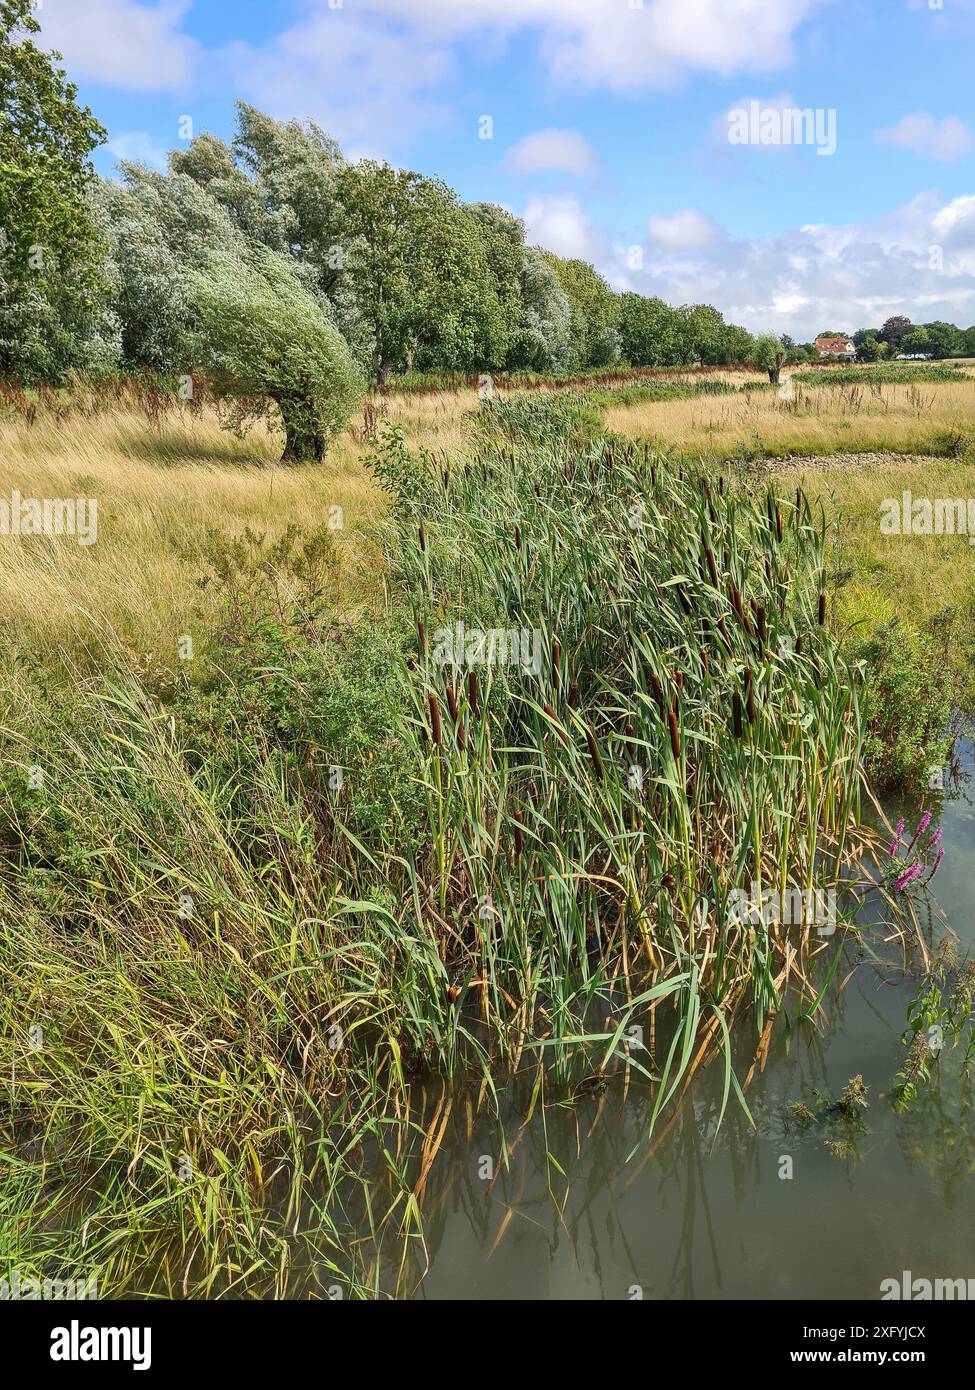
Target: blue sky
(609,125)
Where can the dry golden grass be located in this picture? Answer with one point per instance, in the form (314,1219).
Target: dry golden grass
(159,491)
(804,420)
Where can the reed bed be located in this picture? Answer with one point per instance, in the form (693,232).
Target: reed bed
(225,983)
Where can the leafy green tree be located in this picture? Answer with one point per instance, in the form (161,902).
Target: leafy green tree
(51,277)
(868,348)
(968,342)
(542,340)
(418,269)
(894,331)
(944,339)
(504,246)
(161,227)
(915,343)
(269,350)
(595,313)
(770,356)
(646,327)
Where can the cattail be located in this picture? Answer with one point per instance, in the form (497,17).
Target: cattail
(423,539)
(519,835)
(461,736)
(518,537)
(421,636)
(736,714)
(594,752)
(760,617)
(453,994)
(558,727)
(452,699)
(712,567)
(435,719)
(799,645)
(750,696)
(674,731)
(658,691)
(472,693)
(574,694)
(721,485)
(556,654)
(822,610)
(778,523)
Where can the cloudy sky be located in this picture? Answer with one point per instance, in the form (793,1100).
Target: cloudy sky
(605,124)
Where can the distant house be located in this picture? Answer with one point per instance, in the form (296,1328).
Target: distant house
(835,347)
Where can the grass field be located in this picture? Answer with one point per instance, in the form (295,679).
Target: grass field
(803,420)
(162,486)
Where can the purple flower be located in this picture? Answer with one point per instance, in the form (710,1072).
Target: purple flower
(935,838)
(923,823)
(907,878)
(937,863)
(898,832)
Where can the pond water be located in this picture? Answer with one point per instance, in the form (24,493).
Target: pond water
(705,1214)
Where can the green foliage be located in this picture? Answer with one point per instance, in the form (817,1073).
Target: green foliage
(264,341)
(770,356)
(594,313)
(51,285)
(908,703)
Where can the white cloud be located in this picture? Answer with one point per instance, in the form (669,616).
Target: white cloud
(560,224)
(140,148)
(607,42)
(368,85)
(551,150)
(687,230)
(947,139)
(136,46)
(918,259)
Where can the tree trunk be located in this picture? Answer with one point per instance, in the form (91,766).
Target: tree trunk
(302,442)
(773,375)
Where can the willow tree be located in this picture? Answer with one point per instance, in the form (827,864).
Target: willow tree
(270,351)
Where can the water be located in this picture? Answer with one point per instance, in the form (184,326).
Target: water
(709,1215)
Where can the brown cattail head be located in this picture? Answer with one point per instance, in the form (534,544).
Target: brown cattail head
(736,714)
(461,736)
(674,731)
(435,728)
(658,691)
(519,834)
(558,727)
(822,610)
(721,485)
(472,694)
(799,645)
(518,537)
(594,752)
(421,636)
(556,656)
(762,629)
(712,567)
(574,694)
(453,994)
(778,523)
(750,696)
(452,699)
